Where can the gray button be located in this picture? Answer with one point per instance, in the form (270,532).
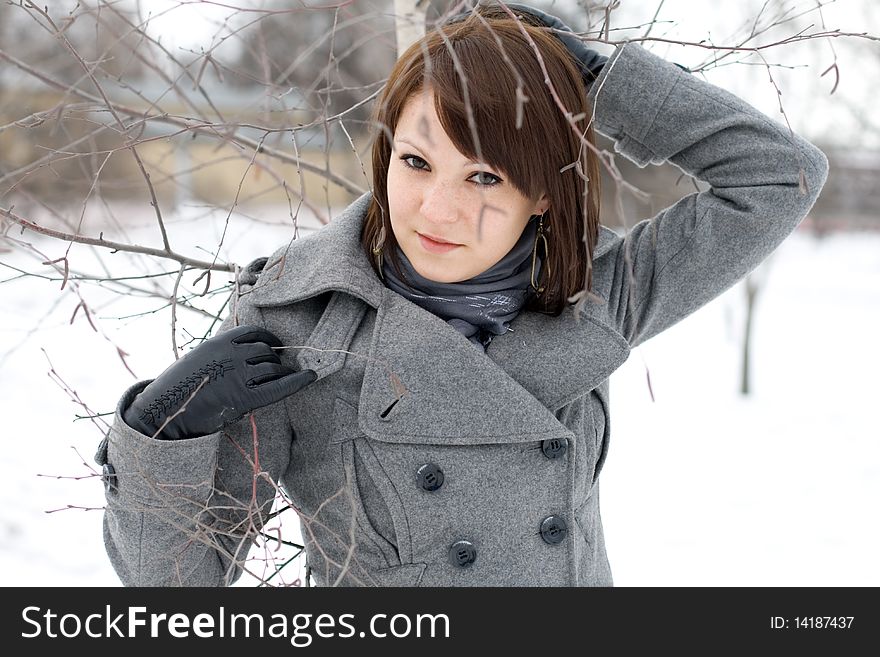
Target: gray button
(108,474)
(462,554)
(553,529)
(430,476)
(554,448)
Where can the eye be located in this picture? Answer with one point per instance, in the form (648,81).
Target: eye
(490,181)
(419,161)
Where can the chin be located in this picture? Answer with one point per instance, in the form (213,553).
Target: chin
(437,273)
(437,276)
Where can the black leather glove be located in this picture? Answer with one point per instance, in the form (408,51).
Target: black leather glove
(589,61)
(243,374)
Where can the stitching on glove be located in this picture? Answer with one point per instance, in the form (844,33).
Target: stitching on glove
(173,398)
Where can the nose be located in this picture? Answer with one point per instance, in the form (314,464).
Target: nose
(441,205)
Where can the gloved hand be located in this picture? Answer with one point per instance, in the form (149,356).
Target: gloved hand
(243,374)
(589,61)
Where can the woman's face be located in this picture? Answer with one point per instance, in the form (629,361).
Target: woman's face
(434,190)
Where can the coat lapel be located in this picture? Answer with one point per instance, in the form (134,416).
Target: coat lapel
(422,376)
(558,359)
(426,382)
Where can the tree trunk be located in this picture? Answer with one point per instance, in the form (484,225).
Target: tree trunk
(409,19)
(751,294)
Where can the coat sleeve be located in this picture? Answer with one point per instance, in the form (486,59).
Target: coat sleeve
(763,180)
(186,512)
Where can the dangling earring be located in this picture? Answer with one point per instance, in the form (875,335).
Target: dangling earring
(377,250)
(540,236)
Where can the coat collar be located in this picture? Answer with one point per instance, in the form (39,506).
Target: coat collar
(420,367)
(328,259)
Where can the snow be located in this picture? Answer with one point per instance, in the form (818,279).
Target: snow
(704,487)
(701,487)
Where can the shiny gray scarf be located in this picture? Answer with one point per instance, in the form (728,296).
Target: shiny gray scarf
(481,307)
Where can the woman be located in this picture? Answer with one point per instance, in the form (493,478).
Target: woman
(437,412)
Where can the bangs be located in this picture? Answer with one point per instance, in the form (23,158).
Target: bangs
(494,114)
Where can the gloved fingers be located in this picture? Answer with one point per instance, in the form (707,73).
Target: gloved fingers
(264,372)
(249,351)
(254,334)
(272,391)
(264,358)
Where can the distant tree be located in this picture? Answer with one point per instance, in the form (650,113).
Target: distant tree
(332,58)
(105,37)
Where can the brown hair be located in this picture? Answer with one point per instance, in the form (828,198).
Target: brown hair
(544,155)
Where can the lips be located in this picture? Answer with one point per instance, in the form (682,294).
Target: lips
(439,240)
(432,246)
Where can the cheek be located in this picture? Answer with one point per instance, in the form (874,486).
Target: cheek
(501,245)
(399,189)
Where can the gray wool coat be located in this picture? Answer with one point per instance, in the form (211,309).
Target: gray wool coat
(417,460)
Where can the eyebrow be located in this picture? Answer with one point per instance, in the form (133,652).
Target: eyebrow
(414,145)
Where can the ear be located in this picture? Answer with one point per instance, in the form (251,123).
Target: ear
(541,206)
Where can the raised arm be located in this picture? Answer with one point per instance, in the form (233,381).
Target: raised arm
(763,179)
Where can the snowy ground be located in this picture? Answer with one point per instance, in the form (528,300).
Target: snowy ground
(701,487)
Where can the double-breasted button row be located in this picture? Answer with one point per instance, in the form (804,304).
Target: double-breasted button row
(464,553)
(430,476)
